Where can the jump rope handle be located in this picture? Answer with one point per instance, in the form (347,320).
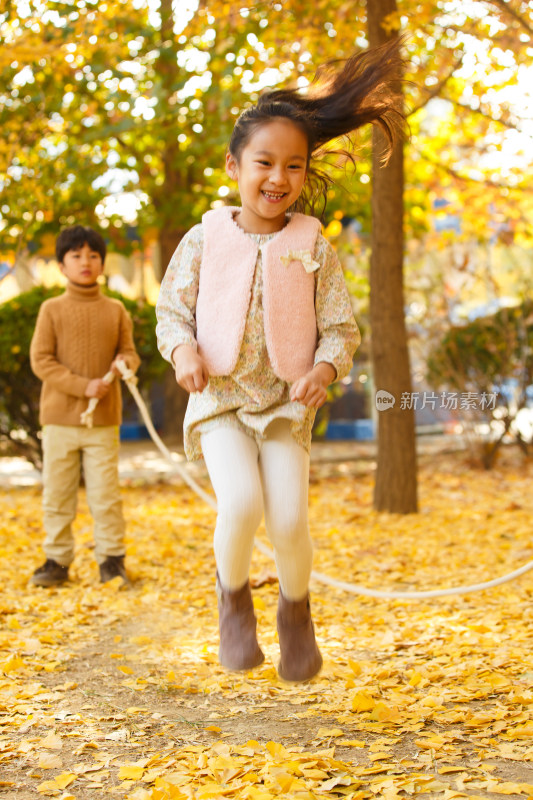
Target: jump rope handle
(86,417)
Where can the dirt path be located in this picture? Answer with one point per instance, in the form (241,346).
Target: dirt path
(112,692)
(94,725)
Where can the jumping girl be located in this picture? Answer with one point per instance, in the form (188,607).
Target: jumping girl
(255,317)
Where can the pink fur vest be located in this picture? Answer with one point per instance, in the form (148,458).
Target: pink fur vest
(226,277)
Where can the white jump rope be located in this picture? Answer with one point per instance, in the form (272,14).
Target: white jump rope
(352,588)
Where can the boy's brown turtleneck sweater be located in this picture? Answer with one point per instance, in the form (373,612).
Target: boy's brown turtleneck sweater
(76,338)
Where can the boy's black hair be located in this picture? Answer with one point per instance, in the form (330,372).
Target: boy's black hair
(74,238)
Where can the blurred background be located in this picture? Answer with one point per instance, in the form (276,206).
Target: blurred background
(117,114)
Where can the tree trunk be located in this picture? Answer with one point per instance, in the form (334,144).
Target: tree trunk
(396,479)
(23,272)
(169,238)
(174,180)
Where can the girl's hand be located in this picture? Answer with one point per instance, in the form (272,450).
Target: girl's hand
(97,388)
(190,369)
(311,390)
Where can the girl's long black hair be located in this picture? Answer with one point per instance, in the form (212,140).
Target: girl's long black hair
(343,97)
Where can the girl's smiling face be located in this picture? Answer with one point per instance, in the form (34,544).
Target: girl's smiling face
(271,173)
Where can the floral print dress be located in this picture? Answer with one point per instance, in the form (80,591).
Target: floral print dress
(252,396)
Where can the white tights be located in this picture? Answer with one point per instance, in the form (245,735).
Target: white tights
(248,479)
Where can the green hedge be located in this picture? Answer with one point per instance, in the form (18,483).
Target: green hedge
(480,357)
(20,389)
(485,352)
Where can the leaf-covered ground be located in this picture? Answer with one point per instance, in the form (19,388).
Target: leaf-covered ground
(118,692)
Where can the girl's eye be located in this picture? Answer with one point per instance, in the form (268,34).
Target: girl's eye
(264,163)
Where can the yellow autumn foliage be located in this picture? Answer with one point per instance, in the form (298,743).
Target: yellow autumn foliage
(110,692)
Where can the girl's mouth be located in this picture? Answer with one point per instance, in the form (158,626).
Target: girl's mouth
(273,196)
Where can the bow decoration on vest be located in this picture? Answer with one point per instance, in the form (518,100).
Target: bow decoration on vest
(304,256)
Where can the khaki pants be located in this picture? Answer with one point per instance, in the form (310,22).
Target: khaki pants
(63,448)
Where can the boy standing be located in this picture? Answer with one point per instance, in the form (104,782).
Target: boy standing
(78,338)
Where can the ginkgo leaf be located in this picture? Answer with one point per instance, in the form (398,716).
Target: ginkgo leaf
(49,788)
(52,741)
(49,761)
(326,733)
(11,664)
(362,701)
(130,772)
(65,779)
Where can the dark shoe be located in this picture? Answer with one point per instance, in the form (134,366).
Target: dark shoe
(50,574)
(113,567)
(300,656)
(237,625)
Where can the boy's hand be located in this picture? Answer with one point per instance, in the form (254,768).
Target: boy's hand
(190,369)
(97,388)
(311,390)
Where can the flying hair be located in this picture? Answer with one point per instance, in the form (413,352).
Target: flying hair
(343,97)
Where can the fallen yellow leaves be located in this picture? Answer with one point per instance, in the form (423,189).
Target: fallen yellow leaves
(250,771)
(131,772)
(52,742)
(362,701)
(58,783)
(48,761)
(11,664)
(120,693)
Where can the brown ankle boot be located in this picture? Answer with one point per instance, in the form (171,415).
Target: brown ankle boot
(300,656)
(237,624)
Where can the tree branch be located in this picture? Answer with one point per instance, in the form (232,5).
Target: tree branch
(484,114)
(467,179)
(435,92)
(507,9)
